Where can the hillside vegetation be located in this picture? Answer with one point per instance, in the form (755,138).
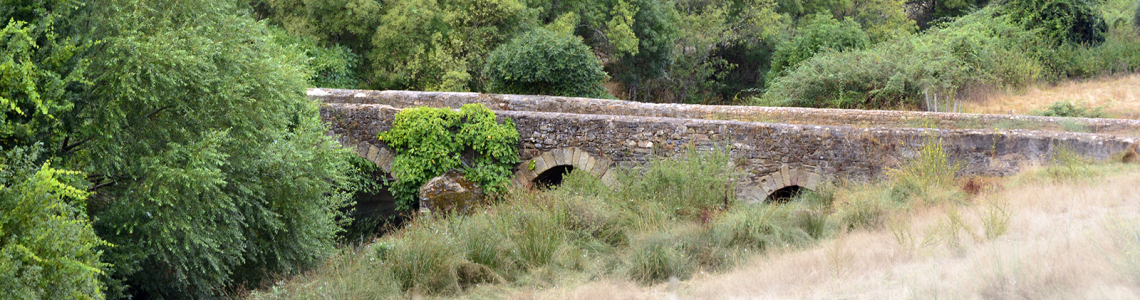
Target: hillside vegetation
(815,53)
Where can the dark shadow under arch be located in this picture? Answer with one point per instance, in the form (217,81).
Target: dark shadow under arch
(552,177)
(785,194)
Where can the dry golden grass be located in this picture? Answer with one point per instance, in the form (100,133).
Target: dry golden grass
(1119,96)
(1061,244)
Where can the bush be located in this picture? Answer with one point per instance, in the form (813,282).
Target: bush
(981,49)
(820,33)
(1060,21)
(543,62)
(1068,109)
(430,141)
(1119,54)
(48,250)
(1136,18)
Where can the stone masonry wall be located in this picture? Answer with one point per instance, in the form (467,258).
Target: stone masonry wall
(761,149)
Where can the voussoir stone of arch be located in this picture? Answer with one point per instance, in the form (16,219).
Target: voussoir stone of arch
(576,157)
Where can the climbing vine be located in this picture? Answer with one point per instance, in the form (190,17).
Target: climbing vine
(430,141)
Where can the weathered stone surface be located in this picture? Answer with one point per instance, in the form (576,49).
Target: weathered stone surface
(450,192)
(812,154)
(781,115)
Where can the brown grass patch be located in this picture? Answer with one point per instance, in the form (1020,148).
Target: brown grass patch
(1118,95)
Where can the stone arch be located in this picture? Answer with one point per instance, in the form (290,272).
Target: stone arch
(558,160)
(380,156)
(803,177)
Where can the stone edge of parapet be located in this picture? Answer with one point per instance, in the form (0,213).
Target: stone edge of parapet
(555,104)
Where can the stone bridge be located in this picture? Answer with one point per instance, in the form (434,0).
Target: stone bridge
(776,149)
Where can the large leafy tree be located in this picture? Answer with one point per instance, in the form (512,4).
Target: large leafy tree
(208,164)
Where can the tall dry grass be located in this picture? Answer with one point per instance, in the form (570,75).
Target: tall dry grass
(1118,96)
(1059,239)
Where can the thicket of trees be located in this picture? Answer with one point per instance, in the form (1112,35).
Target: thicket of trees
(708,51)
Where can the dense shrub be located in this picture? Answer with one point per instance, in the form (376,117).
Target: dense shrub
(821,33)
(47,247)
(1136,18)
(1060,21)
(1120,53)
(543,62)
(981,49)
(1068,109)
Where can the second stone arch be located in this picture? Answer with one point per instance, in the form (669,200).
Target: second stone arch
(547,168)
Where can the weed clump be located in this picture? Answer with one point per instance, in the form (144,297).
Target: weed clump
(1068,109)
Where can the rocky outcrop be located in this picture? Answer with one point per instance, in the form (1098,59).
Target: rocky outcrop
(450,192)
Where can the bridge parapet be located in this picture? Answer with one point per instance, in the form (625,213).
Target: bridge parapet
(782,115)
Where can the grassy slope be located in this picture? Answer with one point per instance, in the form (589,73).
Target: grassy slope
(1067,239)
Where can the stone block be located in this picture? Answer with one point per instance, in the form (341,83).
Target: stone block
(767,184)
(540,164)
(450,192)
(814,180)
(590,163)
(785,180)
(608,179)
(373,154)
(558,157)
(583,158)
(601,167)
(548,161)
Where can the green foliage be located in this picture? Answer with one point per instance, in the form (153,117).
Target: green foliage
(1068,109)
(48,249)
(655,27)
(332,67)
(977,50)
(821,33)
(36,67)
(1119,54)
(719,48)
(1136,17)
(885,20)
(210,165)
(543,62)
(1060,21)
(929,13)
(441,45)
(431,141)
